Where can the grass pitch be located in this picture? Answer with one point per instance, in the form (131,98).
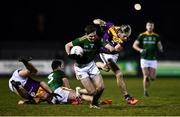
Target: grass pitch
(164,100)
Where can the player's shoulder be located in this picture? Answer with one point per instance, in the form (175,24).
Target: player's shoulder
(82,38)
(143,33)
(155,34)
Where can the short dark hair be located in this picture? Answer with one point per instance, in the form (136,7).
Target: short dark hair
(55,64)
(89,29)
(150,21)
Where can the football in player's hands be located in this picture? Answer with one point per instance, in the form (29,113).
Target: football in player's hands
(77,50)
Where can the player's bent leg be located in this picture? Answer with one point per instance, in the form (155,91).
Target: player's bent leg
(119,77)
(99,84)
(83,91)
(122,86)
(83,94)
(120,82)
(113,66)
(86,82)
(102,66)
(89,86)
(87,98)
(19,90)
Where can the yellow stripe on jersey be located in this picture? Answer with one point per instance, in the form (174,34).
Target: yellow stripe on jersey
(115,37)
(36,98)
(145,33)
(83,38)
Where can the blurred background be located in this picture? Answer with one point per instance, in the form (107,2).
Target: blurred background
(41,28)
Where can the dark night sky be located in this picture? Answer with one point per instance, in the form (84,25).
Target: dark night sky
(65,20)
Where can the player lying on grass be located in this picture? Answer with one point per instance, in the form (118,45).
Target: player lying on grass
(30,90)
(59,84)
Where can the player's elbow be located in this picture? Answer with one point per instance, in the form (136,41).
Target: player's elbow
(134,46)
(112,49)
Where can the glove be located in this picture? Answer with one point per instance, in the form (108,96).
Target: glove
(143,51)
(74,56)
(55,95)
(24,59)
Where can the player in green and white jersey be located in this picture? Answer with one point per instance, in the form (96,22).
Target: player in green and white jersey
(59,84)
(148,43)
(85,68)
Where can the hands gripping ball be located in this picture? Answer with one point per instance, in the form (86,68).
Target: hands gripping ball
(77,50)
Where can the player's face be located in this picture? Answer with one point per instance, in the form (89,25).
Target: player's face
(122,35)
(149,27)
(92,36)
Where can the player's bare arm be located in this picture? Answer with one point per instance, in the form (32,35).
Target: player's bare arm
(68,47)
(136,46)
(160,47)
(118,48)
(110,48)
(45,86)
(66,83)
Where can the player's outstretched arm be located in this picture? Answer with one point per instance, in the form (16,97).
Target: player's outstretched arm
(99,22)
(46,87)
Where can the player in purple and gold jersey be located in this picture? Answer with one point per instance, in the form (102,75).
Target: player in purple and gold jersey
(116,36)
(30,90)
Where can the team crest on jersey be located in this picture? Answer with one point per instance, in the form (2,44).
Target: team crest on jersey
(92,45)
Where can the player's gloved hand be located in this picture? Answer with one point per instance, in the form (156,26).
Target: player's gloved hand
(55,95)
(15,83)
(24,59)
(143,51)
(54,98)
(74,56)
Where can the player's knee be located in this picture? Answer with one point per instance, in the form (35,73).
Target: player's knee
(92,93)
(152,77)
(146,79)
(119,75)
(100,89)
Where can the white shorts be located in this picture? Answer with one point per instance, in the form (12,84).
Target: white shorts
(89,70)
(106,57)
(64,95)
(148,63)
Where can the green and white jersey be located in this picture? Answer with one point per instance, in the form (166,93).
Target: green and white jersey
(149,43)
(90,48)
(55,79)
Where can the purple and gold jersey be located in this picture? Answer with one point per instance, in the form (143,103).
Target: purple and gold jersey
(32,87)
(110,35)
